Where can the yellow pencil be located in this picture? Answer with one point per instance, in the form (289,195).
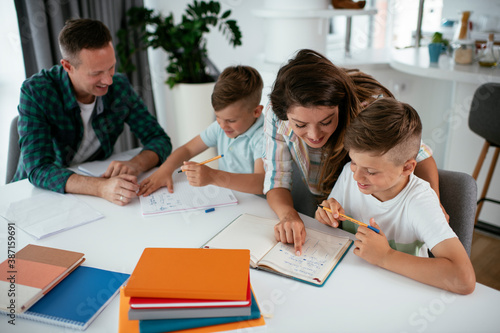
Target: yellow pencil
(205,162)
(351,219)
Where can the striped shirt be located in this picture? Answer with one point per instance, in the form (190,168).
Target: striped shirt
(51,130)
(283,147)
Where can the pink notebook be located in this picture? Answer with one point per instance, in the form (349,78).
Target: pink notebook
(34,270)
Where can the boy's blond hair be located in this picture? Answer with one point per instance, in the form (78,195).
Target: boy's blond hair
(386,126)
(237,83)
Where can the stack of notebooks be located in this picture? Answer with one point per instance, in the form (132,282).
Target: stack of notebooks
(174,289)
(48,285)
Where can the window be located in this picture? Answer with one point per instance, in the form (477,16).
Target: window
(11,76)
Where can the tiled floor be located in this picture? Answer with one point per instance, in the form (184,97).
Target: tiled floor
(485,257)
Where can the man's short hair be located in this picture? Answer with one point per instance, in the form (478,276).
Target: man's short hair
(386,126)
(78,34)
(237,83)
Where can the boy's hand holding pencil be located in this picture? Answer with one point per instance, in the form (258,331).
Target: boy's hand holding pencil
(337,214)
(201,163)
(329,213)
(198,174)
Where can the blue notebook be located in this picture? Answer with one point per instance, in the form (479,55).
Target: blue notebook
(169,325)
(78,299)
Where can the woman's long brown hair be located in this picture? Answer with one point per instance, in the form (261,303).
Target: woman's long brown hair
(310,80)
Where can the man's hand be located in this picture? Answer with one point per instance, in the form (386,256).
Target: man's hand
(140,163)
(120,189)
(117,168)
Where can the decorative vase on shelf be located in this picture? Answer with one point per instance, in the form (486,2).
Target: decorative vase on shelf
(435,50)
(463,45)
(487,57)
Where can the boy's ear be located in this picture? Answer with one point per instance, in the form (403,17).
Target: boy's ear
(409,166)
(258,111)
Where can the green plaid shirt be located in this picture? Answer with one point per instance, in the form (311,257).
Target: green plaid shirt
(51,130)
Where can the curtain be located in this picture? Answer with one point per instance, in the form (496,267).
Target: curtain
(40,22)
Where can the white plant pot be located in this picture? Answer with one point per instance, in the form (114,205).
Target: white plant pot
(290,27)
(192,114)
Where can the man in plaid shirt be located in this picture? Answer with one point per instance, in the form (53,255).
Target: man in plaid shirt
(75,112)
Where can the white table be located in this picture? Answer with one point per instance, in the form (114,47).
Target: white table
(358,297)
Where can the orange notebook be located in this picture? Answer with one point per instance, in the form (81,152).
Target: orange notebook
(132,326)
(34,270)
(190,273)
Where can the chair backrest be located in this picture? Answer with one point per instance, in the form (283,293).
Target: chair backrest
(303,200)
(484,116)
(13,152)
(458,194)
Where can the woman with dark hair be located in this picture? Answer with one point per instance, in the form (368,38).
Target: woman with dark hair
(311,104)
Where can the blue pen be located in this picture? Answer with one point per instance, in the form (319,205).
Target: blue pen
(209,210)
(352,220)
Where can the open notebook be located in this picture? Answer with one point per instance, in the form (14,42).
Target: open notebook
(186,198)
(321,252)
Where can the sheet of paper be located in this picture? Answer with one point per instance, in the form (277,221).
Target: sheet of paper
(48,213)
(186,197)
(97,168)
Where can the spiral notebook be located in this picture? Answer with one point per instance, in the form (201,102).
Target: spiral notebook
(77,300)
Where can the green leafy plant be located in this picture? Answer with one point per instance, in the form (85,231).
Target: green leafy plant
(184,42)
(438,38)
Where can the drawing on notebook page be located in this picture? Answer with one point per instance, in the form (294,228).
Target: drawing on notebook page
(321,252)
(186,198)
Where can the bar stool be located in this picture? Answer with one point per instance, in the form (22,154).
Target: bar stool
(484,120)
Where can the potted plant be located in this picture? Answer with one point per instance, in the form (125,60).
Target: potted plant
(185,109)
(183,42)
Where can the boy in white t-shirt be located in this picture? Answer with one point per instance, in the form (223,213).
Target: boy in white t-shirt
(237,133)
(379,186)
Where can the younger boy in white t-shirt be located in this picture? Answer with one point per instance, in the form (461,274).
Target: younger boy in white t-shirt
(237,133)
(379,186)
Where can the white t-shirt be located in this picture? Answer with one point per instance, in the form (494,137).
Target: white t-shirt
(413,221)
(90,143)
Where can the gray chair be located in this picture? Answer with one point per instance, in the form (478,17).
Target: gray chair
(303,200)
(484,120)
(13,151)
(458,194)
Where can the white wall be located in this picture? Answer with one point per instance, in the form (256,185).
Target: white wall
(429,98)
(479,8)
(11,76)
(219,51)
